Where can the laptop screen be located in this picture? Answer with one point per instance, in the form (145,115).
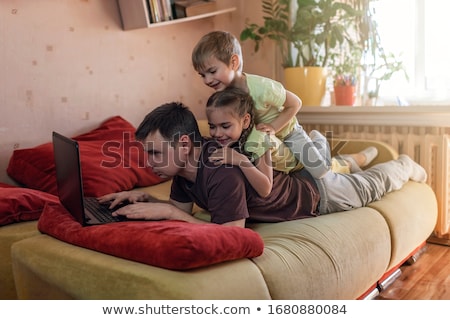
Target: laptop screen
(68,175)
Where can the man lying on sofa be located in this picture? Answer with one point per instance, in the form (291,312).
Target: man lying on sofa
(175,148)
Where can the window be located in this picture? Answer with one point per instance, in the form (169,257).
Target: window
(417,32)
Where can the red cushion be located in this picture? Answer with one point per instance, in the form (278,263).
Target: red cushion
(111,161)
(5,185)
(22,204)
(167,244)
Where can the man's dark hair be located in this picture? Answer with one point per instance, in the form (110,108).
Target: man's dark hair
(172,120)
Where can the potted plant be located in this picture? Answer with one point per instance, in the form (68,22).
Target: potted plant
(346,67)
(305,44)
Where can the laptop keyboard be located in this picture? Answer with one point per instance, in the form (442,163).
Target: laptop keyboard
(101,211)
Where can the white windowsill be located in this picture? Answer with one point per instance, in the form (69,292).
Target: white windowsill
(435,116)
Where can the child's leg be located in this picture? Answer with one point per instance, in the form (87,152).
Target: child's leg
(321,143)
(348,191)
(313,152)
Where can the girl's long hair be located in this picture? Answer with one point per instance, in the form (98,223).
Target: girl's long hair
(241,103)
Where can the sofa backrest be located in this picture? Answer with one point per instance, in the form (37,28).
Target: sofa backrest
(204,127)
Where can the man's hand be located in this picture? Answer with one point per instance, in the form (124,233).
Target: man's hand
(155,211)
(124,196)
(144,207)
(146,211)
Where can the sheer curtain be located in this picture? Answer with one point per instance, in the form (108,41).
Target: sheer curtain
(417,31)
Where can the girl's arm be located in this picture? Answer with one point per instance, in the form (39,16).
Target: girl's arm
(259,175)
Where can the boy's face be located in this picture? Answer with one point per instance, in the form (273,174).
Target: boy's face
(165,158)
(217,74)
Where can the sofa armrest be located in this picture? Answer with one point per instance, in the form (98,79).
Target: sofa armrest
(344,146)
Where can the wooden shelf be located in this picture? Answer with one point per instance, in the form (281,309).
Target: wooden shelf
(135,15)
(200,16)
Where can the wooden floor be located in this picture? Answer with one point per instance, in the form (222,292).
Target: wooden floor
(426,279)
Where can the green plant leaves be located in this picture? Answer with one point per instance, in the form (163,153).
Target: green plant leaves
(318,29)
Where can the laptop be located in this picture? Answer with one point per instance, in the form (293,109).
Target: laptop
(86,210)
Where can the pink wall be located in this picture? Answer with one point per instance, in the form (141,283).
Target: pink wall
(67,65)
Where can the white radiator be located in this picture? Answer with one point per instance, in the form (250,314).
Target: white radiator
(429,146)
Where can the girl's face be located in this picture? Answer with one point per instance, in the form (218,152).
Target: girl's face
(217,74)
(225,125)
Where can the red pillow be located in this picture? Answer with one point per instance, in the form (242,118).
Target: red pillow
(22,204)
(111,161)
(167,244)
(5,185)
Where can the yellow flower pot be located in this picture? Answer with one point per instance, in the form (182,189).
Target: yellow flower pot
(306,82)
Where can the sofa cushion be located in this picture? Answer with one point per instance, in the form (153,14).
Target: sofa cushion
(111,161)
(22,204)
(90,275)
(167,244)
(333,256)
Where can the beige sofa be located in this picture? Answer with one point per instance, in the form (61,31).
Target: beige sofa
(343,255)
(10,234)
